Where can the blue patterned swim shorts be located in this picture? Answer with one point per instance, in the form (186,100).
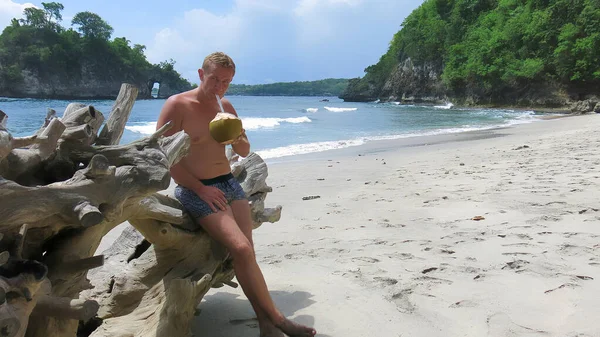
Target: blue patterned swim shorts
(197,207)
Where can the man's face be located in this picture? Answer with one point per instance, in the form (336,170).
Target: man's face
(216,79)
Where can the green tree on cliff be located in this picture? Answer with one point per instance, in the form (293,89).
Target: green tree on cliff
(39,46)
(34,17)
(91,25)
(499,49)
(53,11)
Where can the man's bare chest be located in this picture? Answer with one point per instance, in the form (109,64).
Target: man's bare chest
(197,129)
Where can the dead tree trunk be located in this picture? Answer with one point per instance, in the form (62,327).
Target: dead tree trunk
(61,192)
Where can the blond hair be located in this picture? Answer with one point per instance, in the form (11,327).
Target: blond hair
(220,59)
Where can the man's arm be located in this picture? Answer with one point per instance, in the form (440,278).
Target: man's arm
(172,111)
(241,145)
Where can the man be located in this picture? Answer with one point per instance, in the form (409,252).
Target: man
(212,196)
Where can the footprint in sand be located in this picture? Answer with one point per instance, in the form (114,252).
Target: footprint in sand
(249,322)
(573,250)
(518,244)
(515,265)
(402,301)
(501,325)
(292,256)
(430,282)
(463,304)
(402,256)
(270,259)
(517,253)
(365,259)
(562,286)
(388,281)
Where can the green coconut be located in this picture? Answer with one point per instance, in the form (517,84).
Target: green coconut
(225,127)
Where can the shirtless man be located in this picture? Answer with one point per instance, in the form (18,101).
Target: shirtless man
(212,196)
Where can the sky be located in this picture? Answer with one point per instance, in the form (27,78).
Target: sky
(269,40)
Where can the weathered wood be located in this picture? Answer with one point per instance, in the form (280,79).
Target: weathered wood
(123,287)
(50,115)
(142,170)
(70,192)
(66,308)
(25,141)
(144,167)
(8,142)
(113,130)
(21,164)
(79,133)
(82,122)
(20,241)
(22,282)
(9,322)
(76,266)
(4,256)
(76,115)
(162,312)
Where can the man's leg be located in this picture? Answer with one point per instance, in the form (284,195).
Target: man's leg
(222,227)
(241,213)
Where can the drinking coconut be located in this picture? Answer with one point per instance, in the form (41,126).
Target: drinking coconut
(225,127)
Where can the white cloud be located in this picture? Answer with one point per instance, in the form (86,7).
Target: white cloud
(10,10)
(310,6)
(197,33)
(285,40)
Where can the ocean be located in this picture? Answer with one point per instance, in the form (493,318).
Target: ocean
(279,127)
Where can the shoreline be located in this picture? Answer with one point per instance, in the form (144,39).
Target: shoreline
(537,108)
(385,145)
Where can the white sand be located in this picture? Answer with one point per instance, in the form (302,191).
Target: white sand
(390,247)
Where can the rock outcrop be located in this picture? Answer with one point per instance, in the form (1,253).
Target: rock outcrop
(591,104)
(89,86)
(414,83)
(407,82)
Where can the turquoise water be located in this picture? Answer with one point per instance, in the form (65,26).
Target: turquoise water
(284,126)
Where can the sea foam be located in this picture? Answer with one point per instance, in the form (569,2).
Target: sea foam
(334,109)
(297,149)
(147,128)
(445,107)
(249,123)
(254,123)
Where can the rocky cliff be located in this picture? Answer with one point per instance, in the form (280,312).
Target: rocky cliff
(407,82)
(88,86)
(531,54)
(412,83)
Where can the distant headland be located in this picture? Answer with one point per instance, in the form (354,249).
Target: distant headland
(491,53)
(39,58)
(325,87)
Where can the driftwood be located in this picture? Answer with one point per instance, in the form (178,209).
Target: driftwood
(61,192)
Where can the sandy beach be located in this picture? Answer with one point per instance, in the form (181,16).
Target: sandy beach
(490,233)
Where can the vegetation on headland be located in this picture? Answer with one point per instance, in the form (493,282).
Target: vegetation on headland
(493,52)
(326,87)
(38,51)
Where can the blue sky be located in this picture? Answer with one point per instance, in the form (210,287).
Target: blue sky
(270,40)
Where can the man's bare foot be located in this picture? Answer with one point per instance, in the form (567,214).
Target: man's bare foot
(294,329)
(267,329)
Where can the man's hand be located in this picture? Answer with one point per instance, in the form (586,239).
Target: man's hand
(236,140)
(214,197)
(240,137)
